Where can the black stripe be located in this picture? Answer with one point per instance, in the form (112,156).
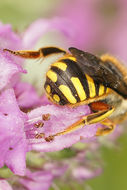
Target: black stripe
(50,50)
(74,70)
(97,86)
(63,78)
(55,90)
(105,88)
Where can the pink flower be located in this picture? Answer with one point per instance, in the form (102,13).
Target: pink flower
(13,146)
(23,131)
(84,168)
(64,116)
(13,142)
(19,134)
(83,173)
(37,180)
(60,118)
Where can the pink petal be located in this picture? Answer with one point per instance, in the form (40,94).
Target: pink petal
(8,69)
(13,145)
(37,180)
(83,173)
(9,39)
(4,185)
(56,169)
(26,95)
(38,28)
(59,120)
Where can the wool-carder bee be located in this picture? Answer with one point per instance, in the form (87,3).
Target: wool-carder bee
(79,78)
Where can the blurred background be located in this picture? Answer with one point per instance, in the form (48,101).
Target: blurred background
(101,27)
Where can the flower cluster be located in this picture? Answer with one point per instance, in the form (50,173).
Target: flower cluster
(22,131)
(27,118)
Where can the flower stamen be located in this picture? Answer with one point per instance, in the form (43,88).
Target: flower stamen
(39,136)
(39,124)
(46,117)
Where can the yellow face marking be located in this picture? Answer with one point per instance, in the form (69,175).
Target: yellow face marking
(48,89)
(79,88)
(60,65)
(56,98)
(91,84)
(52,75)
(67,93)
(101,90)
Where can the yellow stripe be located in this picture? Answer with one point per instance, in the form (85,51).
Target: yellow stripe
(72,58)
(48,89)
(101,90)
(102,117)
(52,75)
(67,93)
(108,90)
(91,84)
(79,88)
(56,98)
(60,65)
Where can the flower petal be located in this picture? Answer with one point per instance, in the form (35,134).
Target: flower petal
(26,95)
(9,39)
(4,185)
(83,173)
(60,118)
(38,28)
(37,180)
(8,69)
(56,169)
(13,145)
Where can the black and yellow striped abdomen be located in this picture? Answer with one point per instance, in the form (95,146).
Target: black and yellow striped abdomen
(66,83)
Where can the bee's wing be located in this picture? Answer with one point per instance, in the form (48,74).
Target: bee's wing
(103,72)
